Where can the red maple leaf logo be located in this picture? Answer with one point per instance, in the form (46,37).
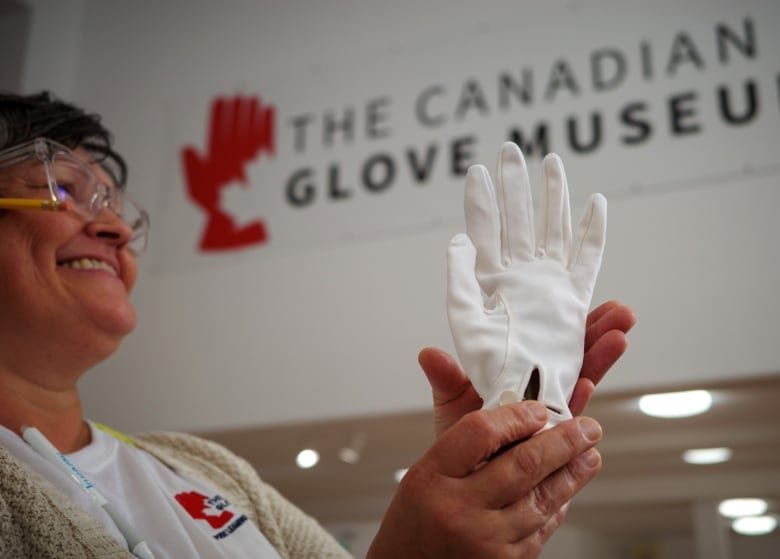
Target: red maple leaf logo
(241,128)
(201,507)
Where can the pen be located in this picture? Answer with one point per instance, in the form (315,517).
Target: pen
(46,450)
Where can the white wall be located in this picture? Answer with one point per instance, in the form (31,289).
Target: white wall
(326,319)
(53,50)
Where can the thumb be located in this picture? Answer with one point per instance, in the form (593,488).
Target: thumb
(447,379)
(586,258)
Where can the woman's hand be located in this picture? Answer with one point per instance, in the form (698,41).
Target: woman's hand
(478,493)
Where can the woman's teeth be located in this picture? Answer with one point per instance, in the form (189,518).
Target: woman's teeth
(88,264)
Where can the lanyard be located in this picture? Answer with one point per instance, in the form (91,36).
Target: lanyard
(47,451)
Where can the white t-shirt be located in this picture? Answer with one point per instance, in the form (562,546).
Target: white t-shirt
(176,516)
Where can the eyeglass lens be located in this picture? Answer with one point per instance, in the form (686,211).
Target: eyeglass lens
(80,190)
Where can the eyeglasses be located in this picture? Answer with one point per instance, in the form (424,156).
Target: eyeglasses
(58,180)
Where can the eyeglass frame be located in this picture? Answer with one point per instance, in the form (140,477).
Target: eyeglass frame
(105,195)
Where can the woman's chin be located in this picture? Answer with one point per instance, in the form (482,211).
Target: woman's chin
(119,321)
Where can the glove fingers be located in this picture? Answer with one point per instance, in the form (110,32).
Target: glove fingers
(586,258)
(554,234)
(518,239)
(483,223)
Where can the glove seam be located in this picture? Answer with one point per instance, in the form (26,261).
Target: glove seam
(583,235)
(507,344)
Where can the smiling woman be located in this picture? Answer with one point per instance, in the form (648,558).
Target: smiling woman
(67,275)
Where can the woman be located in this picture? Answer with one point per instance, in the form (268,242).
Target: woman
(65,290)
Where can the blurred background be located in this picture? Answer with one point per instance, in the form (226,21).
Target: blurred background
(283,301)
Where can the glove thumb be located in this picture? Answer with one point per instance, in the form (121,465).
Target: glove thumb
(465,308)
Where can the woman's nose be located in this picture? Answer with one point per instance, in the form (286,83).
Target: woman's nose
(110,226)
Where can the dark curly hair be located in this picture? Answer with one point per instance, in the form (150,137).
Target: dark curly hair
(26,117)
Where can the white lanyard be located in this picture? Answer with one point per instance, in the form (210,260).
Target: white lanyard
(47,451)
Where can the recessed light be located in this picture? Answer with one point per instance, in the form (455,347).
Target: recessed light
(307,458)
(735,508)
(754,525)
(349,455)
(707,455)
(676,404)
(352,450)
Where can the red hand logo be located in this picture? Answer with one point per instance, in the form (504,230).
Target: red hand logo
(200,507)
(240,129)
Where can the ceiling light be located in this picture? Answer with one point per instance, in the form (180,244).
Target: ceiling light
(676,404)
(707,455)
(399,474)
(349,455)
(352,451)
(734,508)
(754,525)
(307,458)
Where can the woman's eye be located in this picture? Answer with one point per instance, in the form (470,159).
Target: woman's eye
(65,190)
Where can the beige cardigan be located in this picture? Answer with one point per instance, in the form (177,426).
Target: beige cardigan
(38,521)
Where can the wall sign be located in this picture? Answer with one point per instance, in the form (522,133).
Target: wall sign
(362,153)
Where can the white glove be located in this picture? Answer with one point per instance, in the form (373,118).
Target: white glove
(517,301)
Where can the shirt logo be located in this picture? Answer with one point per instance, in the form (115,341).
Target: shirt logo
(201,507)
(214,510)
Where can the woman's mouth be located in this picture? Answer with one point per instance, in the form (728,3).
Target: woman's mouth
(89,264)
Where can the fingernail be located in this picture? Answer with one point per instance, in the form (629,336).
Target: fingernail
(590,429)
(591,458)
(538,411)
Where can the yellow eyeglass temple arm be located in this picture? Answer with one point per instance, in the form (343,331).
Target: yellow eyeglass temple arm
(28,204)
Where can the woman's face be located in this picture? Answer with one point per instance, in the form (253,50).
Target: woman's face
(64,283)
